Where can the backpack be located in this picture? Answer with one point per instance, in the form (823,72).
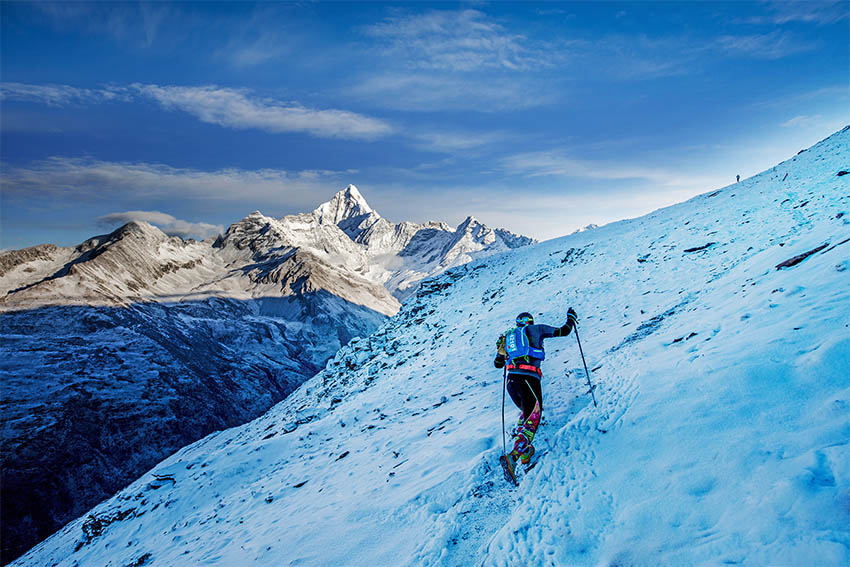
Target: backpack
(517,345)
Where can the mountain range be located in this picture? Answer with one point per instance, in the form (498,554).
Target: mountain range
(121,350)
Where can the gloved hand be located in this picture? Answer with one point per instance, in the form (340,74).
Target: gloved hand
(572,317)
(499,361)
(501,354)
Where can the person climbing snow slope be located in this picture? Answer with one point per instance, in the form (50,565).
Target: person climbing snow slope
(521,348)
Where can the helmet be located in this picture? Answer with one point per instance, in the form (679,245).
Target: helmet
(524,318)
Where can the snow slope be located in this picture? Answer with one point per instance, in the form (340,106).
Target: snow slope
(721,435)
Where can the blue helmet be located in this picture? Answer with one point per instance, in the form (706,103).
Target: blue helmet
(524,318)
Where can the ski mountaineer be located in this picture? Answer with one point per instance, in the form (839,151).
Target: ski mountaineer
(521,348)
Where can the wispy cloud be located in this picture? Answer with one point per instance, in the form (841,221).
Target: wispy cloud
(169,224)
(230,108)
(466,40)
(137,22)
(803,121)
(451,141)
(93,180)
(557,163)
(238,109)
(454,60)
(59,95)
(640,57)
(266,33)
(773,45)
(835,92)
(424,92)
(818,12)
(255,51)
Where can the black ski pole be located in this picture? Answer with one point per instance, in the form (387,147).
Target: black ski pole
(586,373)
(504,387)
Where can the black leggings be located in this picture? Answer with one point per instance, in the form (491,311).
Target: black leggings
(525,391)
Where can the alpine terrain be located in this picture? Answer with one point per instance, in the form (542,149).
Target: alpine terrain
(716,332)
(119,351)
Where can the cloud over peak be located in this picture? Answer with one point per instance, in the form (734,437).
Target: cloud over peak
(169,224)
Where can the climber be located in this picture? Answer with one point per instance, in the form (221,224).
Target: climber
(521,348)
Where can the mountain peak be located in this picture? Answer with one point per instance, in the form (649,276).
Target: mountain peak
(137,228)
(469,224)
(347,203)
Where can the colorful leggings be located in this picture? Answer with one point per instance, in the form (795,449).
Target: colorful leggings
(526,394)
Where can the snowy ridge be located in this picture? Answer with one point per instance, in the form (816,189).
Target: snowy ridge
(717,331)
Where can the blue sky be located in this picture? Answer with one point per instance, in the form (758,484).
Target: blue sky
(539,118)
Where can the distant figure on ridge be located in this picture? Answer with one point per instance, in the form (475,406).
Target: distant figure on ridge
(737,179)
(521,347)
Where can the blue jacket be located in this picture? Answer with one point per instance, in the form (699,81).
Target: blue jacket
(536,334)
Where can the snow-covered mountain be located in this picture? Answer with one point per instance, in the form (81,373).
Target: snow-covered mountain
(342,247)
(717,331)
(121,350)
(400,255)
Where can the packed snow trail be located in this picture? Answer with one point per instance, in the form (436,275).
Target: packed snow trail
(721,434)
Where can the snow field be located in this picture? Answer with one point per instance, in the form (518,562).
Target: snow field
(721,435)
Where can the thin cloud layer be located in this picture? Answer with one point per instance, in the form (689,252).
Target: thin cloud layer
(803,121)
(454,60)
(167,223)
(820,12)
(229,108)
(557,164)
(773,45)
(236,109)
(81,179)
(255,51)
(626,57)
(466,40)
(139,23)
(59,95)
(452,141)
(433,92)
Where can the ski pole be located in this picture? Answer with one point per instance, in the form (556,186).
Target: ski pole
(504,387)
(586,373)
